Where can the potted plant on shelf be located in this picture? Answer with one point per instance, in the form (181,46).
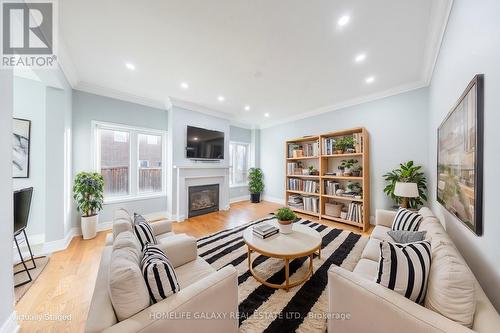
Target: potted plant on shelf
(356,170)
(255,184)
(355,189)
(88,193)
(344,145)
(348,166)
(285,217)
(407,173)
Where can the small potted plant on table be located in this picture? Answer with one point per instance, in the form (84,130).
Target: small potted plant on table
(255,184)
(285,218)
(88,193)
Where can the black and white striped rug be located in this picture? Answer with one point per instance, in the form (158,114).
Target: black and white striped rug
(264,309)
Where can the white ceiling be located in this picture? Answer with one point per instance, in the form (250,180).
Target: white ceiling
(287,58)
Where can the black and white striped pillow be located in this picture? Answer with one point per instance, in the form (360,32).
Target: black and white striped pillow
(404,268)
(145,234)
(406,220)
(138,218)
(158,273)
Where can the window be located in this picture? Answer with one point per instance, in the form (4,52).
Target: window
(131,161)
(239,156)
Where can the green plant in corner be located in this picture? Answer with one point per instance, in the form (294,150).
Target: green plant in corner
(255,184)
(88,192)
(285,214)
(408,173)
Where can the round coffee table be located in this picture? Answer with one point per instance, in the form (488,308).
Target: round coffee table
(302,242)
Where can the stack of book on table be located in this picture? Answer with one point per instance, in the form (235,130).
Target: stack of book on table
(265,230)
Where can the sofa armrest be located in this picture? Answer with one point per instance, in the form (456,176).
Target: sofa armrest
(384,217)
(180,249)
(193,309)
(376,309)
(161,227)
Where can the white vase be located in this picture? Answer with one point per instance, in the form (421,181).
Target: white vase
(89,226)
(286,228)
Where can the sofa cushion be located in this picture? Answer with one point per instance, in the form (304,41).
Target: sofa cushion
(406,220)
(404,268)
(128,242)
(145,234)
(380,233)
(367,269)
(372,250)
(451,290)
(127,289)
(193,271)
(403,237)
(159,273)
(121,221)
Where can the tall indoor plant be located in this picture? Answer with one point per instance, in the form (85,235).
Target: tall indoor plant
(255,184)
(88,192)
(407,173)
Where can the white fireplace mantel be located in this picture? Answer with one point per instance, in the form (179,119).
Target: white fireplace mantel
(196,175)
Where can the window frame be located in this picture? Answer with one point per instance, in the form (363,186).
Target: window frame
(249,147)
(133,191)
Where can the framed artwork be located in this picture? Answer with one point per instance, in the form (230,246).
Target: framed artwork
(460,157)
(21,148)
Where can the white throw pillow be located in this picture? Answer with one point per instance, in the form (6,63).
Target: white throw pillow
(451,285)
(127,290)
(404,268)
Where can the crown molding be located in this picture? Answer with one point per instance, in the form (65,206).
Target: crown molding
(352,102)
(121,95)
(200,108)
(440,14)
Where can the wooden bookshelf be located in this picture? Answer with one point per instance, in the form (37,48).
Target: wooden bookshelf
(325,163)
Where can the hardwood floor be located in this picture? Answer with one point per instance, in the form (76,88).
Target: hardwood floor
(65,287)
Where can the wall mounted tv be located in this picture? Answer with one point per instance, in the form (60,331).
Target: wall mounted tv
(204,144)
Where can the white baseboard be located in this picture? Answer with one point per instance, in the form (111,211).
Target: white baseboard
(239,199)
(10,325)
(274,199)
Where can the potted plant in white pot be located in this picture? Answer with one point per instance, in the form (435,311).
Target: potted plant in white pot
(285,217)
(255,184)
(88,193)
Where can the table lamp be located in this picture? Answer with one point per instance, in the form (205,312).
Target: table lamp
(406,191)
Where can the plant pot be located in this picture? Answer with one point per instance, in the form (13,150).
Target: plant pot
(286,227)
(255,197)
(338,152)
(89,226)
(356,173)
(347,172)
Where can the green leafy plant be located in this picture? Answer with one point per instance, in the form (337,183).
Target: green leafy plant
(349,164)
(354,187)
(345,143)
(407,173)
(255,180)
(285,214)
(88,192)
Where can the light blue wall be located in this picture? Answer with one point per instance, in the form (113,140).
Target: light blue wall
(88,107)
(470,46)
(398,132)
(239,134)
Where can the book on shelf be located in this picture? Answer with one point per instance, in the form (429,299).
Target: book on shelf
(358,142)
(355,212)
(311,204)
(328,146)
(331,187)
(304,149)
(272,233)
(295,184)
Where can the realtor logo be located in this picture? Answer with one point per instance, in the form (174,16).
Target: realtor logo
(28,34)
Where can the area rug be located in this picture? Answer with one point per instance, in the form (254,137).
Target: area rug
(264,309)
(41,262)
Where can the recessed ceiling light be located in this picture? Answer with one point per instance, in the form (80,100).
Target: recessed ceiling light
(360,57)
(195,138)
(267,115)
(370,79)
(130,66)
(247,107)
(343,20)
(184,85)
(221,98)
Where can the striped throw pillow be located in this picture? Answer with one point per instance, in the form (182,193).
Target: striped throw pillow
(138,218)
(404,268)
(406,220)
(158,273)
(144,234)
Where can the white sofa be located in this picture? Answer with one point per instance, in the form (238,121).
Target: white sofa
(373,308)
(204,291)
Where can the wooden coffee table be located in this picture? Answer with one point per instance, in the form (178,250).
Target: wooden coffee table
(302,242)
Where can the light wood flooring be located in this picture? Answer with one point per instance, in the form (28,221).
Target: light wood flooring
(66,285)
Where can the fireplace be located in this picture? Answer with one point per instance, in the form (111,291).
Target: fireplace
(203,199)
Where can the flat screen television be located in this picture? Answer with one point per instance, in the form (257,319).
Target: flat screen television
(204,144)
